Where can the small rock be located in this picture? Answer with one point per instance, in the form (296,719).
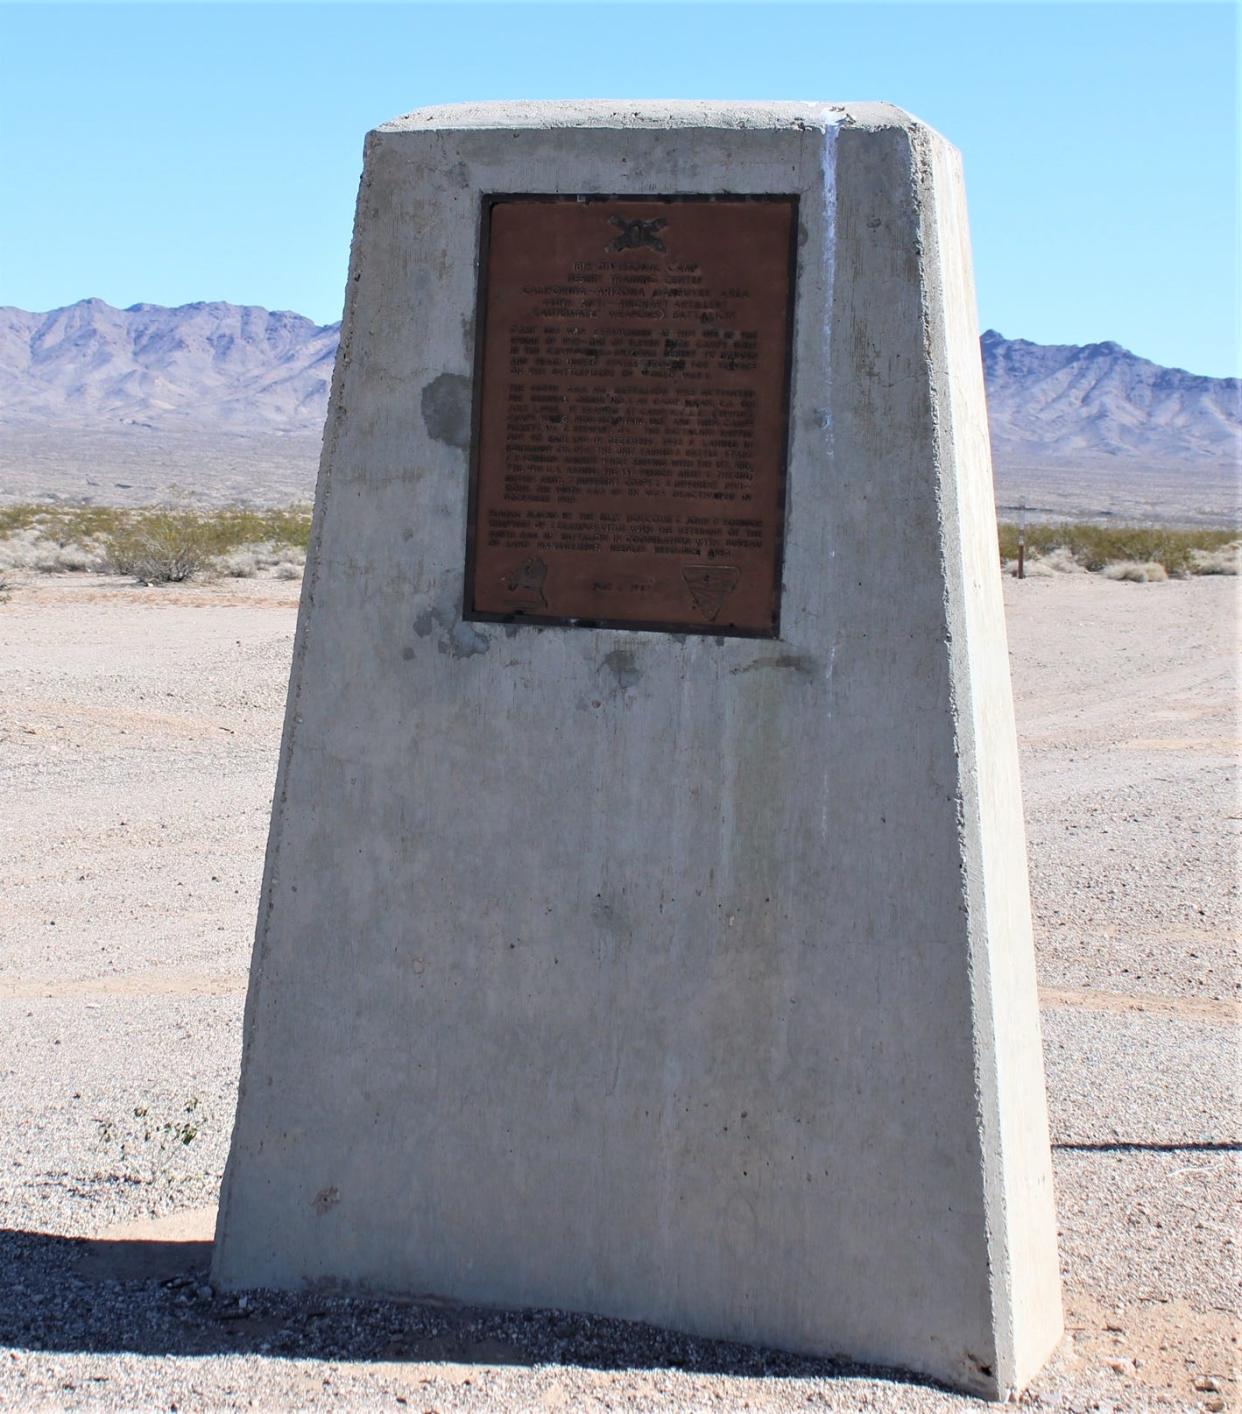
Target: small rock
(204,1293)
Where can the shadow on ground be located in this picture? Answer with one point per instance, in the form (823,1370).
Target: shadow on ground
(111,1296)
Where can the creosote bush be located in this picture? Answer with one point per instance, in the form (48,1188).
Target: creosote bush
(224,528)
(1093,546)
(171,544)
(164,545)
(160,547)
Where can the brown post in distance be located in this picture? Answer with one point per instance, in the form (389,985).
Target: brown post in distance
(1022,538)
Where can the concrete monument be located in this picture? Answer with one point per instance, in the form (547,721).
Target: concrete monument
(645,926)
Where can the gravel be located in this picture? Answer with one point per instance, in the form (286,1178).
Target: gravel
(1139,1079)
(138,736)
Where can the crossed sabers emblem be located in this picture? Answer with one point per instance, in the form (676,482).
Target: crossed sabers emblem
(637,234)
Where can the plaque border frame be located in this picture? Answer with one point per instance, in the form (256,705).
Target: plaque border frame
(470,614)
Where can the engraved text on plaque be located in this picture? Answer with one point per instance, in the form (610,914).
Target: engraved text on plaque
(631,411)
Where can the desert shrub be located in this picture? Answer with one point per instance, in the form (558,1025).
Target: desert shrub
(1044,566)
(238,564)
(160,547)
(284,561)
(18,549)
(167,546)
(32,549)
(16,518)
(223,529)
(74,558)
(1034,569)
(1061,561)
(1136,571)
(62,523)
(58,539)
(233,527)
(1092,546)
(1227,559)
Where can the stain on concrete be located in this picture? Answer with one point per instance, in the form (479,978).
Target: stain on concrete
(455,637)
(801,663)
(446,409)
(623,665)
(407,653)
(326,1199)
(610,913)
(464,642)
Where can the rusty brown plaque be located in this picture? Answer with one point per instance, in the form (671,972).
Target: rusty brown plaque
(631,412)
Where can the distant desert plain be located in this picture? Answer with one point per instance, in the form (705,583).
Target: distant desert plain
(221,404)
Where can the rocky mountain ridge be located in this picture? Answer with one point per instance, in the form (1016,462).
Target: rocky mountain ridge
(1065,400)
(238,366)
(164,394)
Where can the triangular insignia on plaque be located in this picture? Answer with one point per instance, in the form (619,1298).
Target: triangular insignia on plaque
(710,586)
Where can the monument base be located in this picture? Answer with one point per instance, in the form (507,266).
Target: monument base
(679,976)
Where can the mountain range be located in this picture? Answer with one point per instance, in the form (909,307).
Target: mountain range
(201,365)
(154,390)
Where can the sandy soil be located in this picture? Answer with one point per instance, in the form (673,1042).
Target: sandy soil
(138,738)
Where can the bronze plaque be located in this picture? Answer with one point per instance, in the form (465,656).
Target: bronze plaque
(631,410)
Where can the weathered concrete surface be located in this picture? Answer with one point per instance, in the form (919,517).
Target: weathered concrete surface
(686,981)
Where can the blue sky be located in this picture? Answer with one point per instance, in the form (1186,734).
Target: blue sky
(175,152)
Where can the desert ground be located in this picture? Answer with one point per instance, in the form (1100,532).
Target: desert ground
(139,729)
(133,465)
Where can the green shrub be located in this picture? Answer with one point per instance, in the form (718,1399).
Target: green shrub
(1093,546)
(160,547)
(221,529)
(170,545)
